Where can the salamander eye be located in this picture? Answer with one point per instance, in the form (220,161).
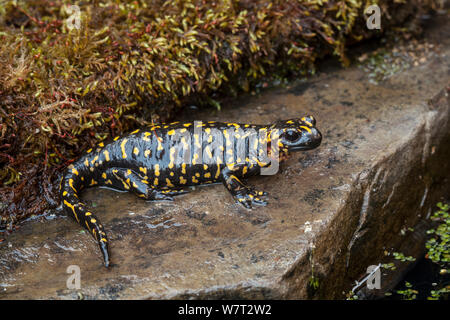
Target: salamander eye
(292,135)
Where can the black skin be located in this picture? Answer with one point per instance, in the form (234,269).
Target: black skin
(145,163)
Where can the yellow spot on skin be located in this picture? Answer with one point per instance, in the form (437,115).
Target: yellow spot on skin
(157,170)
(122,146)
(136,151)
(307,122)
(71,207)
(197,141)
(147,153)
(169,183)
(146,135)
(194,160)
(89,151)
(183,168)
(306,128)
(244,170)
(171,132)
(104,175)
(290,122)
(93,221)
(101,144)
(197,174)
(171,173)
(207,175)
(172,159)
(75,171)
(194,180)
(208,152)
(205,167)
(143,170)
(106,153)
(87,214)
(208,130)
(128,172)
(218,171)
(126,185)
(108,182)
(144,181)
(182,180)
(95,159)
(64,193)
(135,131)
(86,162)
(155,183)
(116,138)
(187,124)
(135,185)
(160,147)
(71,185)
(93,182)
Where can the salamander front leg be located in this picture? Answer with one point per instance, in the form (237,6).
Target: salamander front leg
(241,193)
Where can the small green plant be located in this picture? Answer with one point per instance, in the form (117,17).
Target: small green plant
(400,256)
(389,266)
(438,245)
(313,280)
(409,293)
(437,251)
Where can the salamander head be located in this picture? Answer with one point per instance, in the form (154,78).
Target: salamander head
(298,134)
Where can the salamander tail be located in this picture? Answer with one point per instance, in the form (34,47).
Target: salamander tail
(85,218)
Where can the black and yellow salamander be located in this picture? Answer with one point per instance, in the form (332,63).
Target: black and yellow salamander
(158,162)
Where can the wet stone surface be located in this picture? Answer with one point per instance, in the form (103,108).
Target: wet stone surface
(382,166)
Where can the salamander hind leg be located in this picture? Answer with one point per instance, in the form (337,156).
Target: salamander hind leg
(241,193)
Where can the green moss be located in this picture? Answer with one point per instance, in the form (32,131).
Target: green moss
(134,62)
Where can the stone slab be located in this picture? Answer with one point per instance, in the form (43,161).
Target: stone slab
(332,211)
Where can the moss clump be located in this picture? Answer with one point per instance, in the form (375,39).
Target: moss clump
(128,63)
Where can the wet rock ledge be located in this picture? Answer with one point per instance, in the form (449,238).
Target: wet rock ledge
(333,211)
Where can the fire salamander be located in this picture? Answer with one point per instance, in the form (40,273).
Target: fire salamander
(160,161)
